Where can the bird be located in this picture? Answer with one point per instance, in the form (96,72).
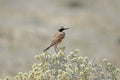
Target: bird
(57,39)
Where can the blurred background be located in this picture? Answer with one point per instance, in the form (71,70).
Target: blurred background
(26,28)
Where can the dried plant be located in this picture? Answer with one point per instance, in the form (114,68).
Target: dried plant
(61,66)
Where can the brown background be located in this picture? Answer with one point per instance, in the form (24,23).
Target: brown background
(26,28)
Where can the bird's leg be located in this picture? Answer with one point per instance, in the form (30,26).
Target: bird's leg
(55,49)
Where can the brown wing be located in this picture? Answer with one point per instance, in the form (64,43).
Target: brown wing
(57,38)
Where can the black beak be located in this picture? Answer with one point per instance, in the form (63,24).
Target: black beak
(66,28)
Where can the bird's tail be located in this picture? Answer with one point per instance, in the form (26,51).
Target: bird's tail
(46,49)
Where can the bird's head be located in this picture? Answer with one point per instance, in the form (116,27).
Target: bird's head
(62,29)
